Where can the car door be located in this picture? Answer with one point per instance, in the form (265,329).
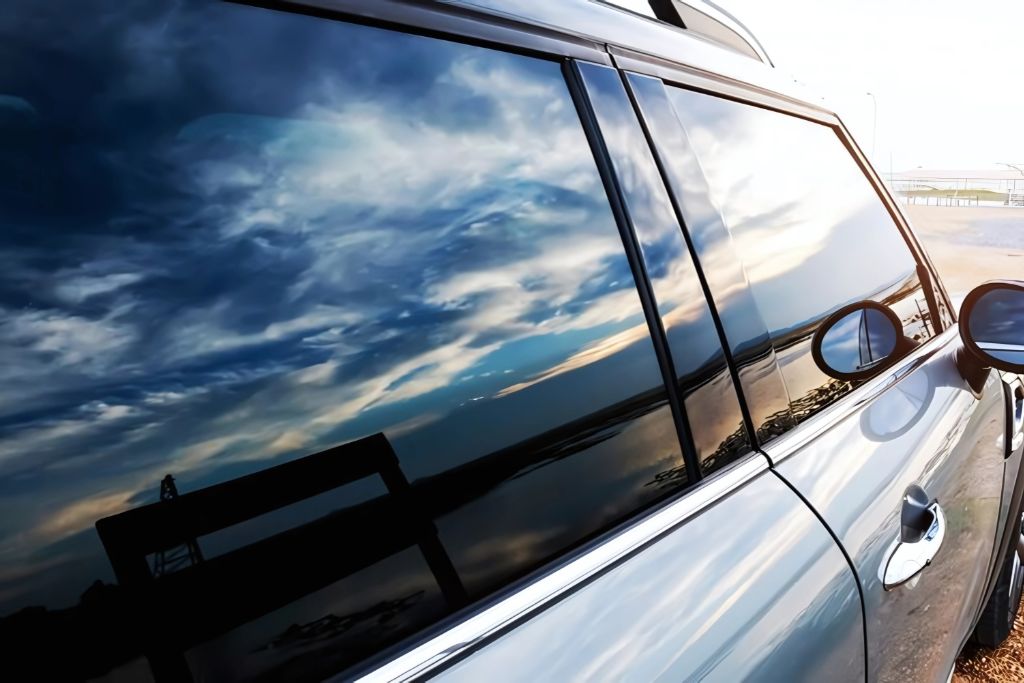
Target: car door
(736,579)
(782,196)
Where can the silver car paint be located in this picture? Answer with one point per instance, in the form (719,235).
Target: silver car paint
(929,429)
(753,588)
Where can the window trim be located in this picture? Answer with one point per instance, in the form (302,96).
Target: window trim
(449,22)
(677,210)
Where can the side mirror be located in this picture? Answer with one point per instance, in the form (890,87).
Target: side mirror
(858,341)
(992,325)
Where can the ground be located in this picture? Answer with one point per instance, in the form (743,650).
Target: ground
(983,195)
(968,246)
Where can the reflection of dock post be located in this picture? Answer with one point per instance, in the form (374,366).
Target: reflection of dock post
(166,662)
(184,599)
(427,537)
(184,555)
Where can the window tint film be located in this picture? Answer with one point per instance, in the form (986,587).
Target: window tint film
(810,230)
(328,331)
(705,384)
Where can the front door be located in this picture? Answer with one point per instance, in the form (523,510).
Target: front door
(783,197)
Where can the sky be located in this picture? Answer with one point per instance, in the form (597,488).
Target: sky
(942,73)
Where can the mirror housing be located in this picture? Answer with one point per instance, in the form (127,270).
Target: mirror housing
(992,329)
(858,341)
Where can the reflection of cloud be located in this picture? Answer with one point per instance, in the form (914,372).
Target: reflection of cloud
(80,515)
(334,247)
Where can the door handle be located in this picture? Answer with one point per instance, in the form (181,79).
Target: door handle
(1017,419)
(923,528)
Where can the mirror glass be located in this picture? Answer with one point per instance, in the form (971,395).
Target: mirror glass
(859,341)
(997,324)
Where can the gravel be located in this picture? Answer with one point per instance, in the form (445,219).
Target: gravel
(1004,665)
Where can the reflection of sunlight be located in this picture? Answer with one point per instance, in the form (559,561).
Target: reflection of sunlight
(593,353)
(797,207)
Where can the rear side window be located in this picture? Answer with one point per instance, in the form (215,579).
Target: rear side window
(809,229)
(235,238)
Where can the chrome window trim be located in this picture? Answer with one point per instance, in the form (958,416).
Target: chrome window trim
(472,632)
(806,432)
(727,19)
(454,20)
(695,78)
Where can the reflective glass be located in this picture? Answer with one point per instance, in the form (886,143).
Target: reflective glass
(233,238)
(744,328)
(997,324)
(859,340)
(705,384)
(810,230)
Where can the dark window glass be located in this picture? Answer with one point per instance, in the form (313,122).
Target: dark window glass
(763,387)
(809,229)
(359,293)
(705,384)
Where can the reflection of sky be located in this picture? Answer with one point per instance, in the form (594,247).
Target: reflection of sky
(692,337)
(845,347)
(803,216)
(808,227)
(998,317)
(742,324)
(217,258)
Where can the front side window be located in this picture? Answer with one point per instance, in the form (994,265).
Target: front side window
(235,238)
(810,231)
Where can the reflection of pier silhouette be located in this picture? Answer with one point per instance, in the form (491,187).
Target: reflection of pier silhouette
(184,555)
(182,609)
(203,600)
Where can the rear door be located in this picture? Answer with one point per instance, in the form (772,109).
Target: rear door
(783,198)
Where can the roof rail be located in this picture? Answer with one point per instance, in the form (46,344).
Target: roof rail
(712,22)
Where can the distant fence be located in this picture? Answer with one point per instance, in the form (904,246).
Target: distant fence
(949,190)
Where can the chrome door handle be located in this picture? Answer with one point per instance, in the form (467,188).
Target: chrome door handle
(904,560)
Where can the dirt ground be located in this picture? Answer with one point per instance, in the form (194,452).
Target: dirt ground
(968,246)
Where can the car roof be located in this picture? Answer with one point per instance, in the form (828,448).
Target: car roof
(623,33)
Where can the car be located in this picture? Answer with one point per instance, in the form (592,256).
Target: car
(475,340)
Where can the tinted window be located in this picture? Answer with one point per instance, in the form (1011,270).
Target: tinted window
(233,238)
(809,229)
(750,346)
(705,384)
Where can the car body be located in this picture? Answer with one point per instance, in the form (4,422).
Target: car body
(474,340)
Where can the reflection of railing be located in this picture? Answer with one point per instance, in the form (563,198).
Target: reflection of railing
(190,606)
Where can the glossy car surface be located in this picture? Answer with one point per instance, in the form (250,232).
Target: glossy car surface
(393,340)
